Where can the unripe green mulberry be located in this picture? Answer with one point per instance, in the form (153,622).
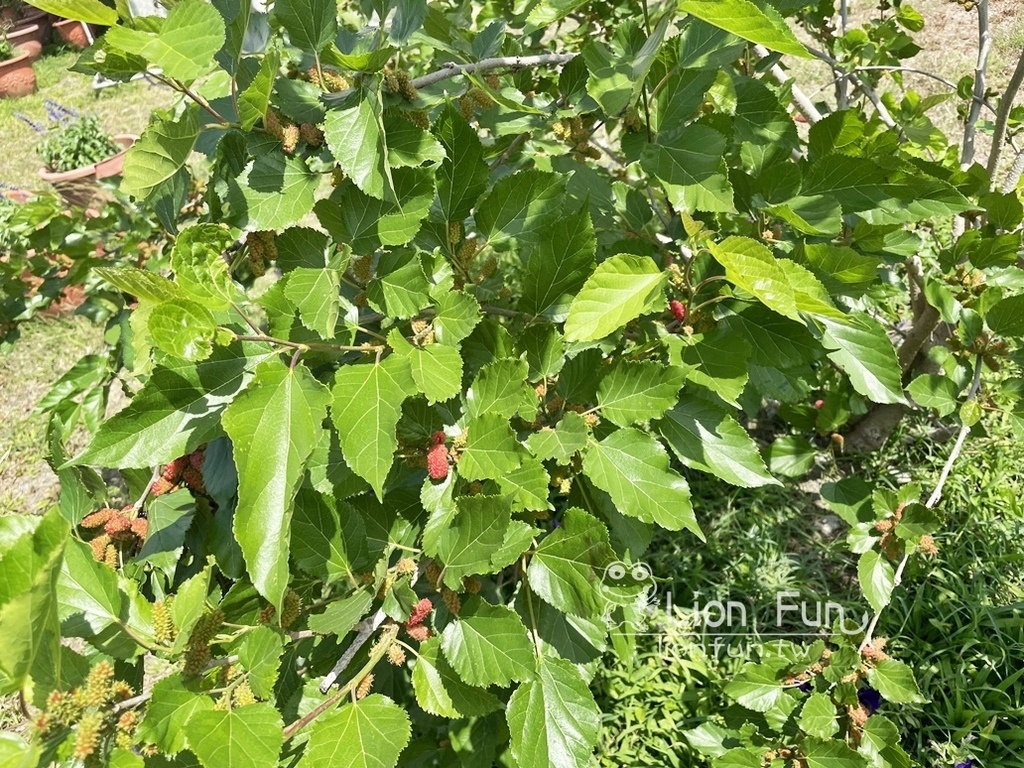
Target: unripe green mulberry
(96,690)
(243,695)
(290,608)
(363,689)
(163,624)
(87,735)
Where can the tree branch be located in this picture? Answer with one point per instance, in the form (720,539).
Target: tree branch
(867,90)
(980,69)
(936,494)
(451,69)
(803,104)
(1003,116)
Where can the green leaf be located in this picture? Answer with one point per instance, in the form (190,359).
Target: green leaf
(169,709)
(89,11)
(707,437)
(501,389)
(436,369)
(864,187)
(751,266)
(177,410)
(315,294)
(491,448)
(818,717)
(244,737)
(367,406)
(342,616)
(554,719)
(638,391)
(863,350)
(877,579)
(933,391)
(895,681)
(259,653)
(881,741)
(274,426)
(478,529)
(757,22)
(689,164)
(185,45)
(15,752)
(559,265)
(756,688)
(409,145)
(255,99)
(162,149)
(31,567)
(463,174)
(527,485)
(355,139)
(183,328)
(189,605)
(717,360)
(488,645)
(791,456)
(521,207)
(621,289)
(311,24)
(401,291)
(199,268)
(1006,317)
(370,733)
(560,443)
(831,754)
(457,314)
(441,692)
(272,192)
(567,568)
(633,468)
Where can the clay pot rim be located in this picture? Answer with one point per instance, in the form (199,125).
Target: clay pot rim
(24,55)
(124,139)
(24,31)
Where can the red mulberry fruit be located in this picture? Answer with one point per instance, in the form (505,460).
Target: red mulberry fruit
(677,309)
(437,462)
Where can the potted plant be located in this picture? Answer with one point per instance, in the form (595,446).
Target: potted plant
(73,33)
(26,26)
(77,153)
(17,78)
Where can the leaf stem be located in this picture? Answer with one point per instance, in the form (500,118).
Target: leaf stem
(386,638)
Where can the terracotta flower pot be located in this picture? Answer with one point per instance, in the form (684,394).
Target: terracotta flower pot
(80,186)
(73,33)
(29,38)
(17,77)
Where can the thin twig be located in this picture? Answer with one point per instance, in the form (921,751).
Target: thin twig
(954,454)
(452,69)
(145,491)
(980,69)
(364,630)
(1003,116)
(803,104)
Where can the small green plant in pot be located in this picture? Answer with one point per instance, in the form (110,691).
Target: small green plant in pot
(16,75)
(77,152)
(76,140)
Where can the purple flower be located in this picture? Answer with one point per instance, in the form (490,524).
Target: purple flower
(870,698)
(968,763)
(807,686)
(58,112)
(37,127)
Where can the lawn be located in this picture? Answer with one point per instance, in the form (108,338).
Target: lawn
(123,108)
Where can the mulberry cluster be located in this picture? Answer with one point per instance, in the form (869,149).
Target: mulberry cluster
(163,625)
(418,118)
(678,310)
(631,122)
(117,531)
(290,133)
(363,689)
(262,248)
(327,80)
(396,654)
(243,695)
(415,626)
(185,470)
(89,711)
(398,81)
(451,601)
(290,608)
(575,131)
(198,651)
(473,99)
(362,269)
(437,461)
(405,567)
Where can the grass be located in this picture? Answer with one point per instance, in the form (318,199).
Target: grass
(46,350)
(123,108)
